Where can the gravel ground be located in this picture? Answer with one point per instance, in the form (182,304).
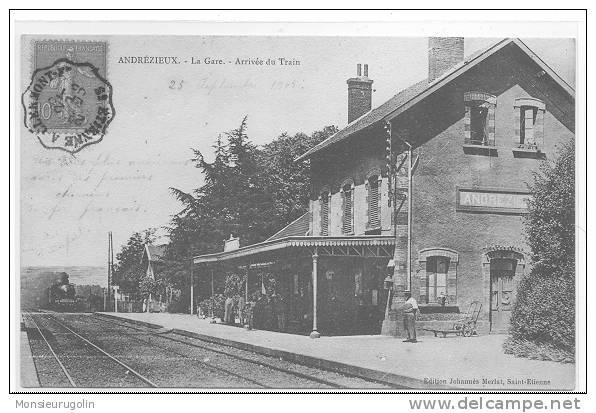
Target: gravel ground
(162,366)
(48,370)
(168,360)
(86,365)
(339,380)
(180,365)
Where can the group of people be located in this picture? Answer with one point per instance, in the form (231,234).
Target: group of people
(234,309)
(262,311)
(271,311)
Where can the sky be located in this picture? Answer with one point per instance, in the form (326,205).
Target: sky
(70,202)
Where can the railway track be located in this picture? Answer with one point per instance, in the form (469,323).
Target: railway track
(259,360)
(67,348)
(163,359)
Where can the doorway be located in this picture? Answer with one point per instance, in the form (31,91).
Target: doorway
(502,293)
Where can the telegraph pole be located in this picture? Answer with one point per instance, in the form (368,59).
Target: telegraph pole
(212,293)
(409,216)
(396,159)
(107,295)
(192,288)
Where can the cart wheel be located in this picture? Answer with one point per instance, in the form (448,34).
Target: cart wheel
(466,331)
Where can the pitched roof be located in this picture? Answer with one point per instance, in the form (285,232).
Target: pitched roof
(155,252)
(297,228)
(418,91)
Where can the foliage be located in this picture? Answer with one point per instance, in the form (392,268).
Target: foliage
(248,192)
(214,305)
(234,285)
(178,306)
(128,271)
(544,312)
(289,181)
(149,285)
(532,350)
(550,223)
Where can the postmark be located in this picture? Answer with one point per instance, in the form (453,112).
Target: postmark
(68,103)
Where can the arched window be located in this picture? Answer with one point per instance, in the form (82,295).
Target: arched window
(347,194)
(529,123)
(324,203)
(479,121)
(438,279)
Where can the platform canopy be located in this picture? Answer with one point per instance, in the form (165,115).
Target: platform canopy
(377,246)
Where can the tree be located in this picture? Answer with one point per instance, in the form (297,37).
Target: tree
(248,192)
(544,313)
(550,223)
(290,181)
(127,269)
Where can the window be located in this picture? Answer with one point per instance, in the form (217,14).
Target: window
(374,210)
(526,132)
(479,121)
(324,200)
(529,124)
(347,191)
(438,276)
(478,133)
(436,270)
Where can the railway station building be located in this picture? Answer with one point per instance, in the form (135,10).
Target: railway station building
(425,193)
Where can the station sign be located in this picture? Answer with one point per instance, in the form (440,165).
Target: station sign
(492,200)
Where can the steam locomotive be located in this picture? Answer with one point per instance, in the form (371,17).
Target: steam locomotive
(61,294)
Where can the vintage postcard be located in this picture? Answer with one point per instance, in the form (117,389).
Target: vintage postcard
(248,212)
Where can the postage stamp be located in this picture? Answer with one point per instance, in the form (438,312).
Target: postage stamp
(68,103)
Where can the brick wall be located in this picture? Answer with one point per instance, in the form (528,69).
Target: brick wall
(359,97)
(444,166)
(357,164)
(436,126)
(443,53)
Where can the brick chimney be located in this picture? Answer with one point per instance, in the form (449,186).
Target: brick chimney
(443,54)
(359,94)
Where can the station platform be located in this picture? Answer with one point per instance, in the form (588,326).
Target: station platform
(28,374)
(433,363)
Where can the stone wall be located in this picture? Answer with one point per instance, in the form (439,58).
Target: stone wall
(436,126)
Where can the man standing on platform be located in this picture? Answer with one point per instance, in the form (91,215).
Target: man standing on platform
(229,311)
(410,313)
(241,310)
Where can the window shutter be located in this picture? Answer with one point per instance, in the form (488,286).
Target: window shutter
(539,128)
(347,221)
(374,218)
(490,125)
(452,282)
(431,277)
(528,125)
(423,282)
(324,214)
(517,123)
(467,123)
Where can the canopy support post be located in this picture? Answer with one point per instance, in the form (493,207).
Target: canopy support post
(315,258)
(192,289)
